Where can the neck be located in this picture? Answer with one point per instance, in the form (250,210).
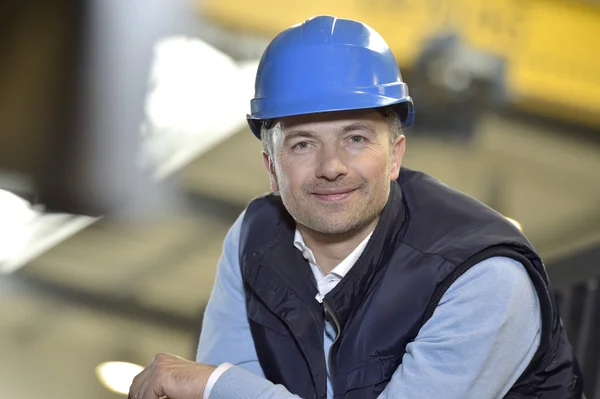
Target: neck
(329,250)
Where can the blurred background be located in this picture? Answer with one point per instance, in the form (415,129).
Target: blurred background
(125,158)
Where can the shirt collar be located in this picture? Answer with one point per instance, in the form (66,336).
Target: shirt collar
(343,267)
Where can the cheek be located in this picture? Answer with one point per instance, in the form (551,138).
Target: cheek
(290,177)
(374,168)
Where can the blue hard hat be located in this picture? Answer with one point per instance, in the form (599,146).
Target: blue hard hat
(327,64)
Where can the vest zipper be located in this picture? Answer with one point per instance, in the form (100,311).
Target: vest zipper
(338,329)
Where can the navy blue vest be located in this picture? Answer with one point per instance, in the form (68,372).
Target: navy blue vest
(427,236)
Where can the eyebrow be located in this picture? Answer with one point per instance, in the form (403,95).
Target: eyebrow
(353,127)
(297,133)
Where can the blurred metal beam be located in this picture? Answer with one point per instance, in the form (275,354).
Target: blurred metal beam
(576,278)
(174,257)
(214,207)
(123,307)
(582,233)
(575,268)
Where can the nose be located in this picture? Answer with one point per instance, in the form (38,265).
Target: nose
(332,165)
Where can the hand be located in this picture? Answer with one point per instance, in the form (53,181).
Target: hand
(172,377)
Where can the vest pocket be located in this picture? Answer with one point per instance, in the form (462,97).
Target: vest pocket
(376,374)
(260,314)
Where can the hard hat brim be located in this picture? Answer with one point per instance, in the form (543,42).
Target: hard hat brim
(331,103)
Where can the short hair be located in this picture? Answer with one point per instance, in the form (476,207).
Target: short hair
(268,129)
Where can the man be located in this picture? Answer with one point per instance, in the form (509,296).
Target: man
(359,278)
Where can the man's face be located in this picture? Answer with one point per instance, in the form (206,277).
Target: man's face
(333,170)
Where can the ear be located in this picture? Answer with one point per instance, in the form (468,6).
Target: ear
(271,170)
(398,148)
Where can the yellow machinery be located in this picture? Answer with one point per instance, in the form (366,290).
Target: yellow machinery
(549,49)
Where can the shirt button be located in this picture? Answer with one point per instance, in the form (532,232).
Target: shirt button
(305,254)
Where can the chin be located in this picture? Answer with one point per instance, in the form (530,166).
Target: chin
(332,226)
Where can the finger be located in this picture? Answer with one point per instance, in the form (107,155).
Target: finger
(148,392)
(152,385)
(136,384)
(142,391)
(133,389)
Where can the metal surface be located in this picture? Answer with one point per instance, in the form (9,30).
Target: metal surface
(575,268)
(114,306)
(577,278)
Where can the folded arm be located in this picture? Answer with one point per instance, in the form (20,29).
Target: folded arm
(481,337)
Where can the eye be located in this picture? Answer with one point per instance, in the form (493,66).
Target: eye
(303,145)
(357,139)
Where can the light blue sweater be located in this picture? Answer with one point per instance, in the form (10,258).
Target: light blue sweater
(481,337)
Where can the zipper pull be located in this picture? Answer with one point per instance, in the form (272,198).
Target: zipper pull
(338,332)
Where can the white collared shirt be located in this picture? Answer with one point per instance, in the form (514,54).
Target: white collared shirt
(326,283)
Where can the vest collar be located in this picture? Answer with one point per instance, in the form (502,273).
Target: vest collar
(350,292)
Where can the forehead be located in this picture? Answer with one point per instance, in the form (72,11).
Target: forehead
(328,120)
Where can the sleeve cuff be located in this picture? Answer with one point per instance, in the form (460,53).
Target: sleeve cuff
(214,376)
(238,383)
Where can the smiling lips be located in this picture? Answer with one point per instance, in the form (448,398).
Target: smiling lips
(334,195)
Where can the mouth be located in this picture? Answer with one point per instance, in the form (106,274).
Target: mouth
(333,195)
